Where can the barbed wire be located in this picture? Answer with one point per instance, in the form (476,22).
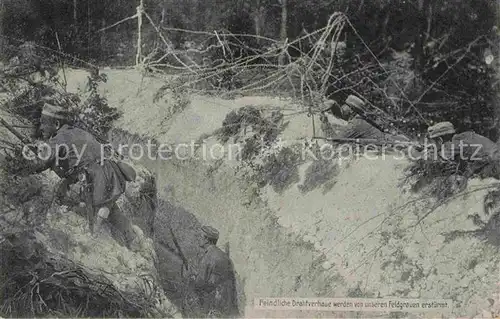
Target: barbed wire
(306,76)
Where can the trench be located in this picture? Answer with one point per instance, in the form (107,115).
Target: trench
(313,241)
(269,262)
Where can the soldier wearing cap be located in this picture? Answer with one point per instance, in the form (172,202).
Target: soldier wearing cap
(215,280)
(442,131)
(358,127)
(75,156)
(482,153)
(467,144)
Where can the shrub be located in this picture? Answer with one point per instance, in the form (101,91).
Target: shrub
(280,170)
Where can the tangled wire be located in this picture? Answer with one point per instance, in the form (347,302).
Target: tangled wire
(37,283)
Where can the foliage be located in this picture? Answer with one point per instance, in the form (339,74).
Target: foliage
(441,179)
(321,172)
(269,161)
(263,130)
(280,170)
(88,109)
(175,95)
(95,113)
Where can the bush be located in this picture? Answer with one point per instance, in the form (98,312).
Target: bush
(88,109)
(280,170)
(442,179)
(94,114)
(264,129)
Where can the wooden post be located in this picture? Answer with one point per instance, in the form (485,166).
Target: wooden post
(140,9)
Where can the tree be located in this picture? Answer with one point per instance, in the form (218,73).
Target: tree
(283,28)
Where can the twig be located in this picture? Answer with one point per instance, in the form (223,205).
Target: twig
(441,203)
(118,23)
(62,64)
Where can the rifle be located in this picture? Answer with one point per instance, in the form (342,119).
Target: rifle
(181,254)
(361,113)
(374,141)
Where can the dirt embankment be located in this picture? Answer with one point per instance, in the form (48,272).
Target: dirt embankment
(335,231)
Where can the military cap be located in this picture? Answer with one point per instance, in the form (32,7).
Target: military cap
(354,101)
(54,111)
(210,232)
(440,129)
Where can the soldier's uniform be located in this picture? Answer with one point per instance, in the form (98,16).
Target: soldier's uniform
(357,126)
(481,154)
(215,280)
(75,156)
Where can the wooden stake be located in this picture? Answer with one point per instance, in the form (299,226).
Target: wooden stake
(140,9)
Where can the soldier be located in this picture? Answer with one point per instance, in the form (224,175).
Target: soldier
(76,156)
(358,127)
(215,280)
(482,154)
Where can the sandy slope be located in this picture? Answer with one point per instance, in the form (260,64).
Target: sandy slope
(323,242)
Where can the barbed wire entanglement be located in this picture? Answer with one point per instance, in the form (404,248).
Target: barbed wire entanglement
(328,63)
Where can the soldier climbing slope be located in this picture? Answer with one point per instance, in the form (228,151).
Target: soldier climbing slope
(75,156)
(215,280)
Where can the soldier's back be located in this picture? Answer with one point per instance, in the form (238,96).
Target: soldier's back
(83,148)
(475,145)
(225,299)
(220,261)
(359,128)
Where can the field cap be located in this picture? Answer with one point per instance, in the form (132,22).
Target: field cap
(210,232)
(440,129)
(54,111)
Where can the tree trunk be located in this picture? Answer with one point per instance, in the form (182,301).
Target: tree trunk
(256,21)
(75,16)
(418,50)
(283,29)
(2,39)
(386,22)
(496,62)
(258,18)
(423,25)
(429,24)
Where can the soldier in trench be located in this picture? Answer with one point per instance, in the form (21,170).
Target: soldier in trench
(214,279)
(76,156)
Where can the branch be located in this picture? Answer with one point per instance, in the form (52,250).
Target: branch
(119,22)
